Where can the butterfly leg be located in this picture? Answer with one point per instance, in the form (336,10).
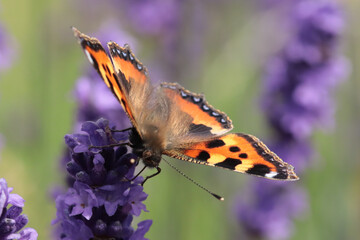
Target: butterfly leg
(112,145)
(153,175)
(132,179)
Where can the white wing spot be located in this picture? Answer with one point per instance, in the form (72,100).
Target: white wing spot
(271,174)
(196,99)
(183,94)
(205,107)
(88,55)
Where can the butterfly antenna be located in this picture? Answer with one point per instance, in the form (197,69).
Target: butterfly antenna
(191,180)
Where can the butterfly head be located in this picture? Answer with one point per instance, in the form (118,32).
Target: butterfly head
(151,158)
(148,150)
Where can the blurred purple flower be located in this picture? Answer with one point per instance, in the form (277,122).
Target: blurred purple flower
(11,219)
(7,49)
(102,201)
(178,28)
(154,17)
(268,209)
(297,95)
(296,100)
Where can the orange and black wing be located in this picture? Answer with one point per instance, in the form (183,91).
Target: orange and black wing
(237,152)
(206,120)
(122,73)
(127,64)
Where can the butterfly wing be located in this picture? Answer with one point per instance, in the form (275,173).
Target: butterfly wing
(206,121)
(122,73)
(238,152)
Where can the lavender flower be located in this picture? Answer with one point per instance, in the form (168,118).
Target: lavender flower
(11,219)
(296,100)
(102,201)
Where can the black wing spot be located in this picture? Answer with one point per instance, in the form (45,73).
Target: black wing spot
(124,103)
(234,149)
(243,155)
(108,80)
(229,163)
(106,68)
(203,156)
(281,175)
(259,169)
(215,143)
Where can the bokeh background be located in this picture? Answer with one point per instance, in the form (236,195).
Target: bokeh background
(219,48)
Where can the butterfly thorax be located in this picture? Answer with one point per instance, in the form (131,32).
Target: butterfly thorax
(150,155)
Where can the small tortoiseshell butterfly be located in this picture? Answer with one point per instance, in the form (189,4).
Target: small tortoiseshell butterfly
(171,120)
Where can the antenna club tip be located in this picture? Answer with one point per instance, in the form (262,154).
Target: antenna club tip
(218,197)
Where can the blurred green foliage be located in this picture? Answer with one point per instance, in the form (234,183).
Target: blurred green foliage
(37,110)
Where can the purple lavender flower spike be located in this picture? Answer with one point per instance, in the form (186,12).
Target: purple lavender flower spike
(11,219)
(102,201)
(296,100)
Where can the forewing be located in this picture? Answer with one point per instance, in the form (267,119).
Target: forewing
(124,74)
(206,121)
(126,63)
(238,152)
(133,78)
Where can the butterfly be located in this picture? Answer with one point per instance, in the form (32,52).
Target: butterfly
(170,120)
